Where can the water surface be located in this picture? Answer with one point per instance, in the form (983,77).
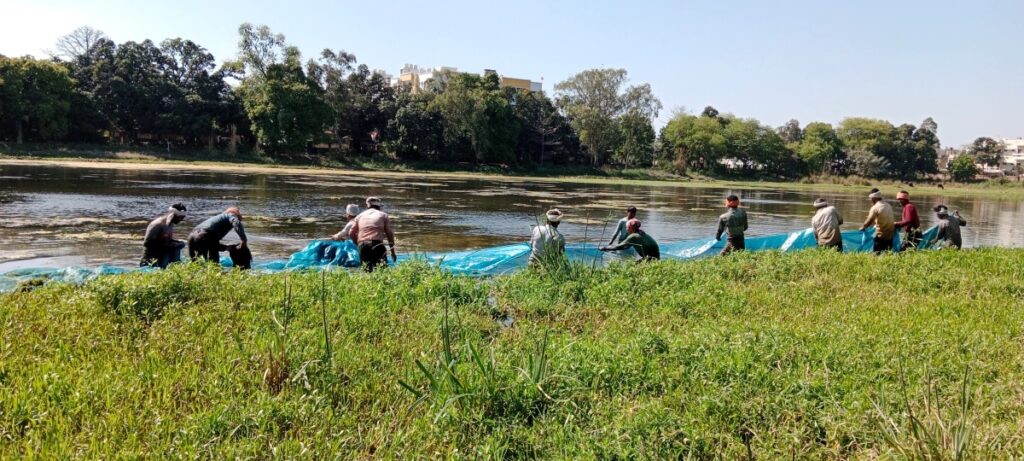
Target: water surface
(55,216)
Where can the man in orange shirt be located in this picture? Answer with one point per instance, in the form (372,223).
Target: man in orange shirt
(369,230)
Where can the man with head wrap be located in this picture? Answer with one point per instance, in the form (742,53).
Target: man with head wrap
(880,215)
(949,227)
(159,246)
(734,224)
(546,243)
(910,222)
(825,223)
(644,245)
(204,241)
(369,230)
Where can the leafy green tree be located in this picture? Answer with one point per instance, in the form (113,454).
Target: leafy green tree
(35,98)
(820,149)
(545,134)
(475,111)
(637,135)
(791,132)
(963,168)
(866,164)
(198,98)
(693,142)
(130,88)
(286,107)
(415,131)
(987,151)
(595,99)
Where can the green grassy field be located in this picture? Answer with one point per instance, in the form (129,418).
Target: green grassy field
(808,355)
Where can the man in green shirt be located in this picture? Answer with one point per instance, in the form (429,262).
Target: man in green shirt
(638,240)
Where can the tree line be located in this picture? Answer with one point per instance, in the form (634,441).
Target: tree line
(269,99)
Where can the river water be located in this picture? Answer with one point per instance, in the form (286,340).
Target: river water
(56,216)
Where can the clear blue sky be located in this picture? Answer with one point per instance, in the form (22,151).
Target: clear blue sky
(961,62)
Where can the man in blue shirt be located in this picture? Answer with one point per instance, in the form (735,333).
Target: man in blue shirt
(204,241)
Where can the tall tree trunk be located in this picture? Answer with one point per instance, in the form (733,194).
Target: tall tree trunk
(233,143)
(19,128)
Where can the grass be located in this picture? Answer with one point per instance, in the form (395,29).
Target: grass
(117,157)
(808,355)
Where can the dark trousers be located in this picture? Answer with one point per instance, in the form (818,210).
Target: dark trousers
(161,256)
(734,244)
(200,247)
(373,253)
(911,239)
(882,245)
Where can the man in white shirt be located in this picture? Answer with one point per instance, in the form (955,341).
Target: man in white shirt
(547,243)
(620,231)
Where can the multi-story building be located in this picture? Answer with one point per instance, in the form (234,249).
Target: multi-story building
(1013,156)
(418,77)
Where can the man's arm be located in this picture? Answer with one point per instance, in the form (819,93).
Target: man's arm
(615,235)
(236,224)
(721,228)
(839,218)
(353,234)
(745,226)
(391,237)
(627,243)
(871,218)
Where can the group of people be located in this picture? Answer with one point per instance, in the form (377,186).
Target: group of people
(826,224)
(371,231)
(368,229)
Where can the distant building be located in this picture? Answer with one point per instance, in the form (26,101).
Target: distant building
(417,77)
(1013,156)
(1012,162)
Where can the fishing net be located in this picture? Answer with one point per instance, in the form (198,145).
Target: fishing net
(489,261)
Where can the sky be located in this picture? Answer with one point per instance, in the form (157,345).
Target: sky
(959,62)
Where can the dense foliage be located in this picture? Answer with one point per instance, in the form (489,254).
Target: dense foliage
(808,355)
(267,98)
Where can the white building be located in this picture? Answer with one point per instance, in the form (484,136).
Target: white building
(1013,156)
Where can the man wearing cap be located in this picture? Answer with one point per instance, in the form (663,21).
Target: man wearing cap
(910,223)
(204,241)
(733,223)
(159,246)
(546,243)
(949,227)
(880,215)
(351,211)
(644,245)
(369,230)
(825,223)
(620,231)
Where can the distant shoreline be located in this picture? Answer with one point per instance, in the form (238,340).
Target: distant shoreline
(1014,190)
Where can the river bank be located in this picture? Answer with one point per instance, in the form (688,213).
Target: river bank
(248,163)
(807,355)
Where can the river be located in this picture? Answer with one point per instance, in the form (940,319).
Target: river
(56,216)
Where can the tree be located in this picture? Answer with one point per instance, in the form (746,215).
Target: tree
(286,107)
(78,43)
(987,151)
(34,98)
(415,131)
(869,144)
(476,112)
(820,149)
(693,142)
(709,112)
(963,168)
(197,100)
(637,135)
(595,99)
(790,132)
(866,164)
(544,132)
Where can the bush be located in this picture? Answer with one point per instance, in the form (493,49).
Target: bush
(963,169)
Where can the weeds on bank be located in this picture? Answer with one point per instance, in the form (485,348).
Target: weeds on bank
(775,356)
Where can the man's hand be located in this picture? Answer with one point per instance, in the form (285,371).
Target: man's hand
(243,244)
(394,258)
(603,248)
(861,228)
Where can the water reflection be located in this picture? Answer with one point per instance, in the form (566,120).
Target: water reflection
(52,215)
